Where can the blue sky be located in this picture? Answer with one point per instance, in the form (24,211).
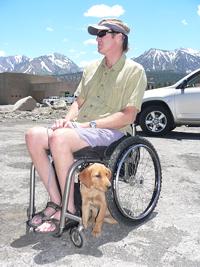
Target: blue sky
(39,27)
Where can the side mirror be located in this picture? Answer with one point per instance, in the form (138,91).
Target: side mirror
(182,85)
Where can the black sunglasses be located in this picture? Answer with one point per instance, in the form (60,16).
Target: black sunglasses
(103,33)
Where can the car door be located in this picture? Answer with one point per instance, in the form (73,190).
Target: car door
(187,101)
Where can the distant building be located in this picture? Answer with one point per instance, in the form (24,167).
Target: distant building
(14,86)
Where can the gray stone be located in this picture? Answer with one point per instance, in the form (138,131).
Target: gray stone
(25,104)
(60,104)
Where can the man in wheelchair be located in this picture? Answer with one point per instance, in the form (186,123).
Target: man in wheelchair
(108,98)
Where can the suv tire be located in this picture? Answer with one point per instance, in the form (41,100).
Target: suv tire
(156,121)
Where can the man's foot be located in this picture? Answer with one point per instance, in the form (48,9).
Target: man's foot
(51,225)
(44,215)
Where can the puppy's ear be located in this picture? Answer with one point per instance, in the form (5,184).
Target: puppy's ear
(85,177)
(109,173)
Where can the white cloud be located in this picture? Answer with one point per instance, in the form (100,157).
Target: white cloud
(49,29)
(2,53)
(184,22)
(198,10)
(100,11)
(90,42)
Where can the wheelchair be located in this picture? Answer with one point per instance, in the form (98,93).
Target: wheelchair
(136,183)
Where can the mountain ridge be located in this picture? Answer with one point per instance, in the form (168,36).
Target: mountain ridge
(51,64)
(182,60)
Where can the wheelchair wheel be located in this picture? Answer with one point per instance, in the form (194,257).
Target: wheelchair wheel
(77,237)
(136,180)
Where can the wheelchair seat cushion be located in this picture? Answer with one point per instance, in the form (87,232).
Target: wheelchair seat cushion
(96,152)
(109,150)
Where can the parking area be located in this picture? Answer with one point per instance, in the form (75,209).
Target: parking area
(171,237)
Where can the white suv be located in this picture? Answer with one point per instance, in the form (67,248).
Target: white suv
(51,100)
(165,108)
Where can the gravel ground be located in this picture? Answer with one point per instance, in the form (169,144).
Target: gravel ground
(171,237)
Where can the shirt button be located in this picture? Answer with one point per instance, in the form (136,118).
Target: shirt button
(91,105)
(85,116)
(98,96)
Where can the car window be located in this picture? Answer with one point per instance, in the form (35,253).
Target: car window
(194,82)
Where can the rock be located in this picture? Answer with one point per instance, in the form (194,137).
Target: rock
(60,104)
(25,104)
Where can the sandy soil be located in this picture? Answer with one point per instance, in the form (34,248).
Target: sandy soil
(170,238)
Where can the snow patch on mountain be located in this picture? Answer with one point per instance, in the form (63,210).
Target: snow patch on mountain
(53,64)
(182,60)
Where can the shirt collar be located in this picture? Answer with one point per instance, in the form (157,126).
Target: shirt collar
(118,65)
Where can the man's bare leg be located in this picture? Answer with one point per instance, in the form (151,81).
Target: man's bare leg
(63,142)
(37,144)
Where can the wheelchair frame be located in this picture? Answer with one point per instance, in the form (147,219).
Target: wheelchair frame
(120,159)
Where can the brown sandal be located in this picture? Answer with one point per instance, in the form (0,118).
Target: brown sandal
(42,216)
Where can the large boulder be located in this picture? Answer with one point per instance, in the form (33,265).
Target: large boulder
(25,104)
(60,104)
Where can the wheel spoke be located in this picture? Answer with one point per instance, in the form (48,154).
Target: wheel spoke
(140,187)
(153,114)
(154,128)
(149,122)
(162,125)
(161,116)
(136,180)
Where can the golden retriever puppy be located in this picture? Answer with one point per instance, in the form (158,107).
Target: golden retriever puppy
(94,182)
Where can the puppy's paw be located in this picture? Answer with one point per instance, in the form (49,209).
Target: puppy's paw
(96,233)
(85,225)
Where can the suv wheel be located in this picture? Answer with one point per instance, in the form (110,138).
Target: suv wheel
(155,120)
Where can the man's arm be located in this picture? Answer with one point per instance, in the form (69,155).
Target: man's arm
(117,120)
(74,109)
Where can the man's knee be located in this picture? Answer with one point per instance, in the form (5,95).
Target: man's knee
(58,137)
(66,139)
(33,134)
(30,133)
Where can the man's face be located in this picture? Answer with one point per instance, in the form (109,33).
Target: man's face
(106,42)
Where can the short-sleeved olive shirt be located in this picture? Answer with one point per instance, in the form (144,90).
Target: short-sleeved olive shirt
(109,90)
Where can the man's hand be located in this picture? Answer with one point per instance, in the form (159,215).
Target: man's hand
(61,123)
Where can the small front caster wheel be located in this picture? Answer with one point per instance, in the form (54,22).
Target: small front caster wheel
(77,237)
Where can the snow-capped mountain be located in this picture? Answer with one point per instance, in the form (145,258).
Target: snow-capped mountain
(53,64)
(180,60)
(8,64)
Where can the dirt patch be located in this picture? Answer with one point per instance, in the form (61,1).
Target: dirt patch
(171,237)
